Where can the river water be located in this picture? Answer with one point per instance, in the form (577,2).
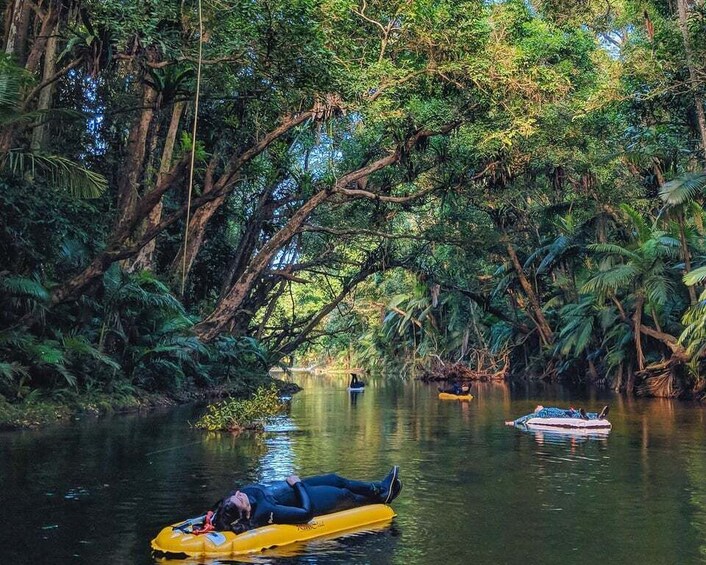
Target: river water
(475,491)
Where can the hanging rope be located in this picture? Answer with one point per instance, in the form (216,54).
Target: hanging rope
(193,151)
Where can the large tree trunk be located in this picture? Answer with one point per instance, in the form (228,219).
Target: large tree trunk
(15,42)
(44,101)
(6,21)
(198,224)
(145,258)
(274,298)
(618,385)
(249,240)
(543,327)
(686,255)
(120,248)
(637,323)
(133,166)
(14,47)
(630,382)
(46,32)
(683,11)
(184,260)
(228,306)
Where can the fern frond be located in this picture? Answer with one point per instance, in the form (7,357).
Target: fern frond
(25,287)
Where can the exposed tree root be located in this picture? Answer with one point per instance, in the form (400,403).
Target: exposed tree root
(491,370)
(661,380)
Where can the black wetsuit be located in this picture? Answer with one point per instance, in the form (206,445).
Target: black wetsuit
(453,389)
(279,503)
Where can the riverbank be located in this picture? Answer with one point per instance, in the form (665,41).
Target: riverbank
(40,412)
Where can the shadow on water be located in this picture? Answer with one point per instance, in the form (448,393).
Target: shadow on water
(475,490)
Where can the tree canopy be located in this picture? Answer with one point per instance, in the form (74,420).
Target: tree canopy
(512,185)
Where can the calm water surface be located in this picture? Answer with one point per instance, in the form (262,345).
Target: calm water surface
(475,491)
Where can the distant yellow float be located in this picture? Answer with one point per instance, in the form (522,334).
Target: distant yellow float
(449,396)
(174,540)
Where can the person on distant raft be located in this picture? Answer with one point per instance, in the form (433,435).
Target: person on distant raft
(456,388)
(553,412)
(296,501)
(356,382)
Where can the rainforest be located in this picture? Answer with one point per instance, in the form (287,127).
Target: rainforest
(194,192)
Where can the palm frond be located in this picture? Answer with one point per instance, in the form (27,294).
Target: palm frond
(60,171)
(11,80)
(503,285)
(25,287)
(683,188)
(697,276)
(501,335)
(613,249)
(666,247)
(536,254)
(47,352)
(396,300)
(610,281)
(8,371)
(558,250)
(658,289)
(38,116)
(16,339)
(174,324)
(643,230)
(79,345)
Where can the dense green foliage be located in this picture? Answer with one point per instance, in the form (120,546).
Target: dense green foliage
(514,185)
(235,415)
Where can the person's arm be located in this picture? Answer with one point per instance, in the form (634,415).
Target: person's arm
(281,514)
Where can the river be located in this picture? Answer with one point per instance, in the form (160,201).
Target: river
(475,491)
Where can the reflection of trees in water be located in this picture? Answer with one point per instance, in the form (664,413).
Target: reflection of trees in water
(695,464)
(360,435)
(571,438)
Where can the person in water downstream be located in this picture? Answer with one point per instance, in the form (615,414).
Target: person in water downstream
(355,382)
(456,388)
(553,412)
(296,501)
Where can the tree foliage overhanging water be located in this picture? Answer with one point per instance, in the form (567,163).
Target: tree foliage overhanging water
(513,185)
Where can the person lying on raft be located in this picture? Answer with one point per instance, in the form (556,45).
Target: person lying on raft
(553,412)
(296,501)
(456,388)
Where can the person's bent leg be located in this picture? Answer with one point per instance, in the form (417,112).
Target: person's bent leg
(328,499)
(370,490)
(328,480)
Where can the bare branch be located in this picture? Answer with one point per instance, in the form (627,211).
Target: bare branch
(56,76)
(355,192)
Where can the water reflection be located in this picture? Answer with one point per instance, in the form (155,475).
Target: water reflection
(565,437)
(474,490)
(354,395)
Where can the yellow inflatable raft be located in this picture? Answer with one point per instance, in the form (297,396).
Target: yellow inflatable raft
(173,540)
(449,396)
